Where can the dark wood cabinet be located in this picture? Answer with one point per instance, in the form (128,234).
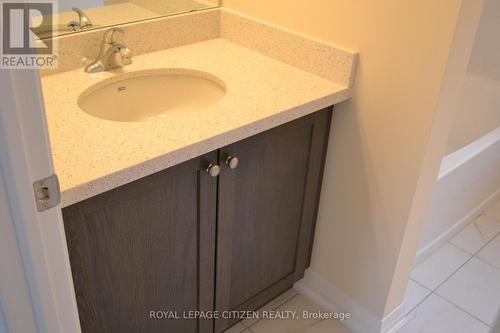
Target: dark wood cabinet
(146,246)
(180,240)
(266,212)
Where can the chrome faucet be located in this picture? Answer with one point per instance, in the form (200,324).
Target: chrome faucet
(112,54)
(84,21)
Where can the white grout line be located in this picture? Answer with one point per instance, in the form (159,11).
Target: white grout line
(447,300)
(473,255)
(433,291)
(482,247)
(423,299)
(470,314)
(454,272)
(487,263)
(457,247)
(487,243)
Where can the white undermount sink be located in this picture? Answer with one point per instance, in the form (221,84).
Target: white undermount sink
(150,94)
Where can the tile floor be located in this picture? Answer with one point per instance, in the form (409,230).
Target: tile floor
(289,301)
(456,290)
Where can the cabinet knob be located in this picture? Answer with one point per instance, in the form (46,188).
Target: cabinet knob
(213,170)
(232,162)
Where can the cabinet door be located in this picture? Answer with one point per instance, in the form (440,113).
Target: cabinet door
(145,247)
(266,212)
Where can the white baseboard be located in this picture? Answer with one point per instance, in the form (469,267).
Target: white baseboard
(468,183)
(330,298)
(394,320)
(438,242)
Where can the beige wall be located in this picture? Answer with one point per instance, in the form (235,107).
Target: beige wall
(478,110)
(378,156)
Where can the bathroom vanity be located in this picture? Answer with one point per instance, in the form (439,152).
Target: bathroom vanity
(189,239)
(190,178)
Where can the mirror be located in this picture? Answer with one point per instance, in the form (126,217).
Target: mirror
(83,15)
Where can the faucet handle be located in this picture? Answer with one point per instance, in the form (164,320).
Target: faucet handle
(84,21)
(123,57)
(110,36)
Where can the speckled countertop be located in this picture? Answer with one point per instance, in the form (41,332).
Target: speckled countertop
(92,155)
